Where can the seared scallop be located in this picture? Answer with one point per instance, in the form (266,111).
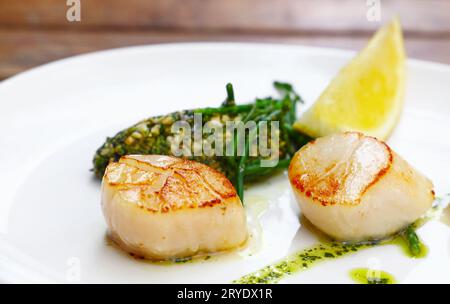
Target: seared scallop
(355,188)
(161,207)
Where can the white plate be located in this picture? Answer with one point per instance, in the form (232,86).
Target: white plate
(54,117)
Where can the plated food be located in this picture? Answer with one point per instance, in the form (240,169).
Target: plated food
(160,207)
(156,135)
(279,235)
(351,186)
(356,188)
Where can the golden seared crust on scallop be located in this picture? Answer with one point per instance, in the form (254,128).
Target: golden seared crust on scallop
(342,171)
(355,188)
(163,183)
(162,207)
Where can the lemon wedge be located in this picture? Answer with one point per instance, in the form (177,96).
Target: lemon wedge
(367,94)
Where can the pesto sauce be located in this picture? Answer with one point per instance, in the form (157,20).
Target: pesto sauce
(301,261)
(305,259)
(328,250)
(371,276)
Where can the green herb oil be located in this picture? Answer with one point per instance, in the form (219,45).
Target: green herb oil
(301,261)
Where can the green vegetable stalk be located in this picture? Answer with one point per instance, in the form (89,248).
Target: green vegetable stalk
(154,136)
(411,238)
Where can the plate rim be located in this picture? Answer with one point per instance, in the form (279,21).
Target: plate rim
(337,52)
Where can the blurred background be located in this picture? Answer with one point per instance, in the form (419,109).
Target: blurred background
(33,32)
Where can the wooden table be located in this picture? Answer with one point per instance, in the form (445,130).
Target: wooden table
(33,32)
